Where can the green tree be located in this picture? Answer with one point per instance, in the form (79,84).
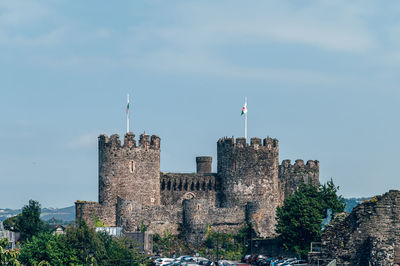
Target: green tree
(47,248)
(29,223)
(80,245)
(300,218)
(4,242)
(330,199)
(11,223)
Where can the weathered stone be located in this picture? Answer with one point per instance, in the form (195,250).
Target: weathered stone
(247,188)
(369,235)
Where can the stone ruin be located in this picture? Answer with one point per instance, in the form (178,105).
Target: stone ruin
(246,189)
(369,235)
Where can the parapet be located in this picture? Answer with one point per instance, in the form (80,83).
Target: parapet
(145,141)
(299,164)
(256,143)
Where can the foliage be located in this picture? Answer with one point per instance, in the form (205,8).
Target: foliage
(143,227)
(229,246)
(299,219)
(79,245)
(330,199)
(29,223)
(4,242)
(11,223)
(49,248)
(165,245)
(373,200)
(98,222)
(9,257)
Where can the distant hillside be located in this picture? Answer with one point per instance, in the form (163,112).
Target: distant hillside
(66,214)
(352,202)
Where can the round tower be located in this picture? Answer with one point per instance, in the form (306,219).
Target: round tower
(128,171)
(249,173)
(204,164)
(195,219)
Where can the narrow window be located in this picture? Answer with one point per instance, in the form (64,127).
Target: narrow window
(131,166)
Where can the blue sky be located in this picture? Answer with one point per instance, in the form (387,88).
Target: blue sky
(321,76)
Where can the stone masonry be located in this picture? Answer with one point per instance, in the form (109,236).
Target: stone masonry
(246,189)
(369,235)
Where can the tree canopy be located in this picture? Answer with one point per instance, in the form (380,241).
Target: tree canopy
(29,222)
(299,219)
(79,245)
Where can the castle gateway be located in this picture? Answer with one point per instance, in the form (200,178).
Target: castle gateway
(246,189)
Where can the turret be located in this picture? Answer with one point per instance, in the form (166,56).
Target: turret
(292,175)
(203,164)
(129,171)
(247,172)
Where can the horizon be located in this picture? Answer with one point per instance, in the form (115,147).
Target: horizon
(321,77)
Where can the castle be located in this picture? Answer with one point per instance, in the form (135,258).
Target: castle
(246,189)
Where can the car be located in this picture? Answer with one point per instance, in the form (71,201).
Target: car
(182,257)
(284,261)
(265,262)
(298,262)
(202,261)
(225,263)
(258,258)
(163,261)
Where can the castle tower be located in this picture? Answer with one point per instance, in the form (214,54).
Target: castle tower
(204,164)
(194,220)
(249,173)
(128,171)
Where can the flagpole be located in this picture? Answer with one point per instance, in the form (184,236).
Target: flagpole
(245,119)
(127,115)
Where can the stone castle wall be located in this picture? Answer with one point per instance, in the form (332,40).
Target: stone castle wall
(199,216)
(291,176)
(249,173)
(177,187)
(247,188)
(129,171)
(132,215)
(88,210)
(369,235)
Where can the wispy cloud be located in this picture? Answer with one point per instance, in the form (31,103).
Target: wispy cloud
(191,43)
(188,38)
(84,141)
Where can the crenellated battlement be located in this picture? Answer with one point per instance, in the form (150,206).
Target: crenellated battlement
(256,143)
(188,182)
(145,141)
(291,176)
(299,164)
(247,187)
